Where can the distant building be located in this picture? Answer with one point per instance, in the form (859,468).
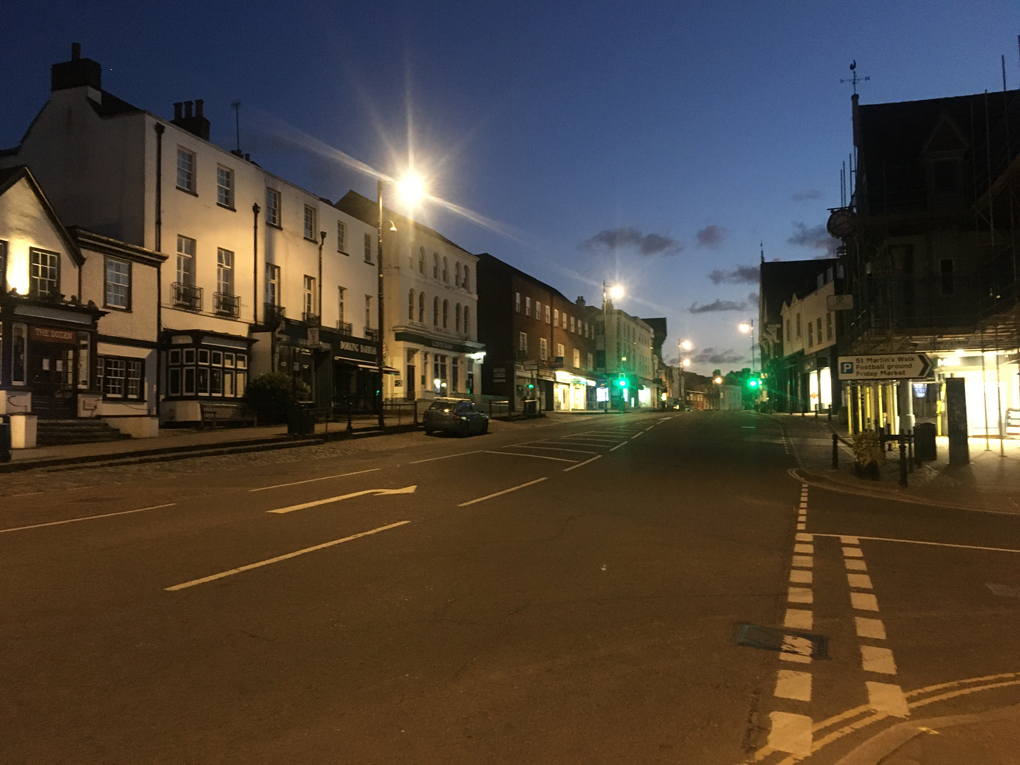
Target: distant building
(541,346)
(626,351)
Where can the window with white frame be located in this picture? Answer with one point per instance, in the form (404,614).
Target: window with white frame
(410,306)
(446,314)
(341,236)
(272,284)
(120,378)
(421,260)
(577,359)
(517,302)
(368,248)
(340,304)
(273,200)
(547,319)
(185,170)
(591,362)
(556,317)
(527,306)
(543,348)
(185,260)
(559,350)
(224,187)
(572,324)
(309,296)
(538,310)
(44,272)
(310,223)
(522,342)
(368,312)
(212,372)
(224,271)
(117,286)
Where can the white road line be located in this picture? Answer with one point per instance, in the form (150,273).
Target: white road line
(634,436)
(804,549)
(86,518)
(888,699)
(444,457)
(803,561)
(863,601)
(313,480)
(617,446)
(860,581)
(851,552)
(505,491)
(804,538)
(551,449)
(338,498)
(878,659)
(931,544)
(799,595)
(869,628)
(801,526)
(800,576)
(790,733)
(793,685)
(279,558)
(794,657)
(798,619)
(855,564)
(581,464)
(532,456)
(850,540)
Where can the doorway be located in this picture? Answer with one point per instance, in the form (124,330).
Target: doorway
(51,374)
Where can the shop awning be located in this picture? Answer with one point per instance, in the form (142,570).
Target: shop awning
(367,367)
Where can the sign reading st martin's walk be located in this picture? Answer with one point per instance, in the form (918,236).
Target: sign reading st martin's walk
(890,366)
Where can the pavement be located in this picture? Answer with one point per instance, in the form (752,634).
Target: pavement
(566,589)
(991,481)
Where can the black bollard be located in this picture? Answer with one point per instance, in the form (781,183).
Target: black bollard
(835,452)
(903,462)
(350,426)
(910,451)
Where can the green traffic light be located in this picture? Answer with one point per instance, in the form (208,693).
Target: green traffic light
(623,383)
(753,383)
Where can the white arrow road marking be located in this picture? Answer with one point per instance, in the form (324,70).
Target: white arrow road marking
(279,558)
(329,500)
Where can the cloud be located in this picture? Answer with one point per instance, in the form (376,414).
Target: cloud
(711,237)
(806,196)
(712,356)
(632,239)
(738,275)
(718,305)
(752,300)
(816,238)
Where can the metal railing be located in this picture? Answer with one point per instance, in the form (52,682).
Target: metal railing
(272,313)
(226,304)
(310,318)
(186,296)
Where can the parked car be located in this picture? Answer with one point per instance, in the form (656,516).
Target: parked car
(455,415)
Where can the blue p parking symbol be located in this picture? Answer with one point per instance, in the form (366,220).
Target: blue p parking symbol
(846,367)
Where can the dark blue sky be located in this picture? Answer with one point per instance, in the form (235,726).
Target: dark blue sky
(683,133)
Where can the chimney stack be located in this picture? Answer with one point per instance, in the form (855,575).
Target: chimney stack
(75,51)
(193,120)
(76,73)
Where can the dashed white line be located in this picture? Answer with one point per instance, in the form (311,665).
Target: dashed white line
(800,576)
(869,628)
(505,491)
(792,684)
(888,699)
(551,449)
(855,564)
(804,549)
(617,446)
(860,581)
(798,619)
(85,518)
(878,659)
(799,595)
(790,733)
(863,601)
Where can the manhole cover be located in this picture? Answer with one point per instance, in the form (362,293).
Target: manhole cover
(1003,590)
(785,641)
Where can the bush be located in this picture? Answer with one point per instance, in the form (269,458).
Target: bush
(868,449)
(271,395)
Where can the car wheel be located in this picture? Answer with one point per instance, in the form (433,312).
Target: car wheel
(428,431)
(485,427)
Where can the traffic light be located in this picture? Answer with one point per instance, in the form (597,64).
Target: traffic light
(531,386)
(753,382)
(623,382)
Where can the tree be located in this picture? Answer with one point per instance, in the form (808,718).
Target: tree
(271,395)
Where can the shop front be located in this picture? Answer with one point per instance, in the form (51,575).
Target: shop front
(356,373)
(573,393)
(204,372)
(432,367)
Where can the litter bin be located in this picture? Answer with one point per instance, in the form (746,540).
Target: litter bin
(924,442)
(5,439)
(301,420)
(531,407)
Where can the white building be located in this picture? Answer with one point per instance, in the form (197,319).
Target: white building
(809,345)
(430,303)
(627,344)
(77,334)
(255,260)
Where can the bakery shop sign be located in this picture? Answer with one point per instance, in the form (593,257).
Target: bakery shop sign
(51,335)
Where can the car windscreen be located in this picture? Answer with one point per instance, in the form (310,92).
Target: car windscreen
(443,406)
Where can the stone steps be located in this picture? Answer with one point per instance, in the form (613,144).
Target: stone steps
(80,431)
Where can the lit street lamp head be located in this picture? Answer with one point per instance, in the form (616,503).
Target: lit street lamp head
(616,292)
(686,345)
(745,327)
(411,189)
(686,362)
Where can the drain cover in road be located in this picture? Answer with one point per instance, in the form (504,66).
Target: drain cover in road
(785,641)
(1003,590)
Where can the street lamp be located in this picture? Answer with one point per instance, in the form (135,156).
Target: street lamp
(685,345)
(615,292)
(411,189)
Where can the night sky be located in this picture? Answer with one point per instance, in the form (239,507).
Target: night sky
(654,144)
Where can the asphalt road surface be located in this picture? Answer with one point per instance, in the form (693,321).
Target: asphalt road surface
(560,594)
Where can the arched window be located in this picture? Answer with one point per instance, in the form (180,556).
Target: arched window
(421,307)
(446,271)
(435,265)
(410,257)
(446,314)
(457,315)
(456,276)
(467,279)
(435,312)
(410,305)
(421,260)
(467,321)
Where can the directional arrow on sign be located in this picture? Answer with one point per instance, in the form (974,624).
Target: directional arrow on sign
(340,498)
(889,366)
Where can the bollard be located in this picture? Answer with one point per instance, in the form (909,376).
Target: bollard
(910,451)
(350,426)
(903,462)
(835,452)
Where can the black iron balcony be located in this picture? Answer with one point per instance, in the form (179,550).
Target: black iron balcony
(272,313)
(187,296)
(344,328)
(371,334)
(311,319)
(226,304)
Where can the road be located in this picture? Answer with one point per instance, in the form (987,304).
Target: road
(544,594)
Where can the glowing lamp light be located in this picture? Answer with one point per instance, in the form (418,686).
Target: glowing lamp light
(686,345)
(717,381)
(744,327)
(411,188)
(686,362)
(616,292)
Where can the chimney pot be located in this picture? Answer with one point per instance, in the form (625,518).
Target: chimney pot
(247,157)
(187,109)
(177,110)
(198,107)
(75,51)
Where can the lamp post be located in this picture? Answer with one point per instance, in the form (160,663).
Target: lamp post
(748,326)
(615,292)
(412,189)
